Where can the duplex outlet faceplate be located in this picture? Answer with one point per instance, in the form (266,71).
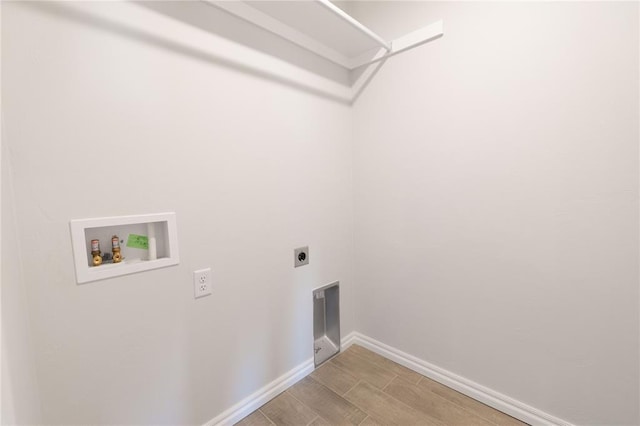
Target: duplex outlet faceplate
(201,282)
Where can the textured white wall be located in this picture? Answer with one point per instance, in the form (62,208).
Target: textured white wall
(20,395)
(496,184)
(116,108)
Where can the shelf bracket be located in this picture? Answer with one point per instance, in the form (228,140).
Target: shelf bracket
(406,42)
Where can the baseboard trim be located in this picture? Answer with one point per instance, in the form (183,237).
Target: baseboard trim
(268,392)
(262,396)
(495,399)
(470,388)
(348,340)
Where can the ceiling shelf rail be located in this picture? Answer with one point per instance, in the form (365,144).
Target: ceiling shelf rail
(326,30)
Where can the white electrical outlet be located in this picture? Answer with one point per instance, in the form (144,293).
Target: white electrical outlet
(201,282)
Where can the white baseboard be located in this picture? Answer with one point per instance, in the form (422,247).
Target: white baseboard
(257,399)
(348,340)
(262,396)
(474,390)
(495,399)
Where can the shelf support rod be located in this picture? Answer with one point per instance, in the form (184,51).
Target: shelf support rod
(345,17)
(256,17)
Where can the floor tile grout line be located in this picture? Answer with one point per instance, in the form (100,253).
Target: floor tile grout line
(376,364)
(388,368)
(404,379)
(453,402)
(379,365)
(442,399)
(328,388)
(344,372)
(390,381)
(342,397)
(371,364)
(469,411)
(463,408)
(407,405)
(476,414)
(325,385)
(362,421)
(354,403)
(319,415)
(354,353)
(340,368)
(312,420)
(266,417)
(352,387)
(304,405)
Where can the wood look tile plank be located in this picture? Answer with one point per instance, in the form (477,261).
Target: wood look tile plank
(360,388)
(326,403)
(507,420)
(363,369)
(255,419)
(432,404)
(319,421)
(471,405)
(285,410)
(384,409)
(504,419)
(370,421)
(334,378)
(387,364)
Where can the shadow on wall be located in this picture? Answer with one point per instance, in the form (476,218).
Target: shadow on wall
(220,23)
(214,21)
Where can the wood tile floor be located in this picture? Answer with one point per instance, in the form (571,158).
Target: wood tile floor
(359,387)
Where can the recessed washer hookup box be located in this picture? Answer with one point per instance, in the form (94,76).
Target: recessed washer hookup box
(326,322)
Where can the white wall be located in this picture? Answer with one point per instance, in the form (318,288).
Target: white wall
(20,396)
(115,108)
(496,182)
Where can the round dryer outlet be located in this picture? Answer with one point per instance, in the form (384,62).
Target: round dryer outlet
(300,256)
